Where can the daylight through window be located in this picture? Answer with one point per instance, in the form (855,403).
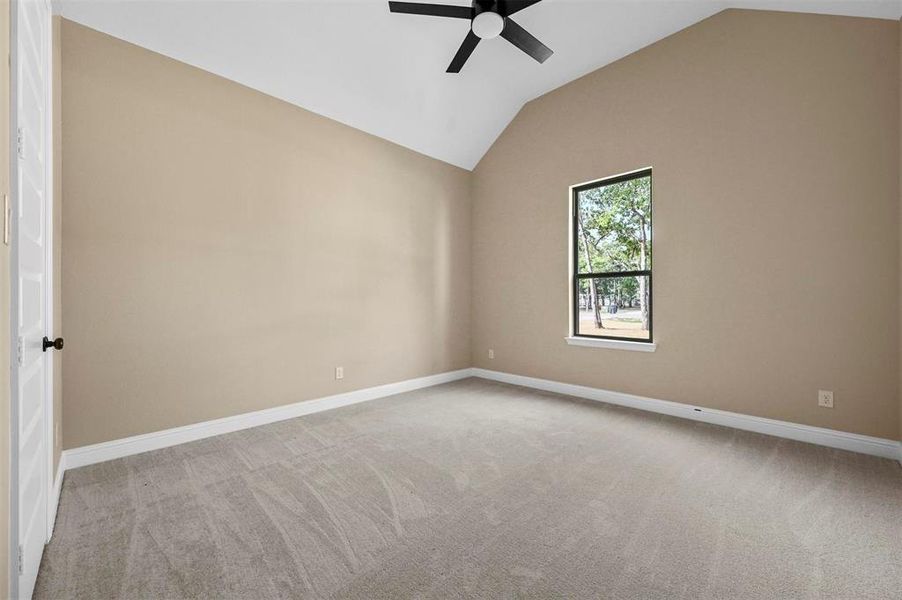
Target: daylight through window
(612,282)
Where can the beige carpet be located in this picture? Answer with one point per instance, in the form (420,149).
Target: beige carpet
(481,490)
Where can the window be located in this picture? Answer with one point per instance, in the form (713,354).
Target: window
(612,281)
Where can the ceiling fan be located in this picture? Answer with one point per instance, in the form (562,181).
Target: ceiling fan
(488,19)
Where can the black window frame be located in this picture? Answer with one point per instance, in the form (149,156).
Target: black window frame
(576,276)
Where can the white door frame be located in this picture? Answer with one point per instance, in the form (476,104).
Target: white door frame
(48,270)
(48,290)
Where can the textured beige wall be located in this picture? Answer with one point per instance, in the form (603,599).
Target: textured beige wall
(224,250)
(774,139)
(57,244)
(193,295)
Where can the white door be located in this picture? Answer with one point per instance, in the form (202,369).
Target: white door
(30,74)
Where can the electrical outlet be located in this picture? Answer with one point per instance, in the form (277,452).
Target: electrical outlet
(339,372)
(491,354)
(825,398)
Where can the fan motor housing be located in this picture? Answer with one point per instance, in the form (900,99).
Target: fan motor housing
(481,6)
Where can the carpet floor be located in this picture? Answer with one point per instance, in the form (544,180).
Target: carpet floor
(477,489)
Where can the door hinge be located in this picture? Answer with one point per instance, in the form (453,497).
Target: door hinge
(20,142)
(20,560)
(19,350)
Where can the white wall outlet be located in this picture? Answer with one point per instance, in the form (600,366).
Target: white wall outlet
(339,372)
(825,398)
(491,354)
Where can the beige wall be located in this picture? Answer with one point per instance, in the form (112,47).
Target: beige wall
(57,244)
(774,139)
(263,245)
(224,251)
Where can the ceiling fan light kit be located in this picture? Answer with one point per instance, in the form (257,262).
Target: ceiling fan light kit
(488,19)
(488,25)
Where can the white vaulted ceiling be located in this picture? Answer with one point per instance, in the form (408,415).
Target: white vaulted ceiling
(384,73)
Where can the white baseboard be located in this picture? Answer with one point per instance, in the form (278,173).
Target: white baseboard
(804,433)
(95,453)
(88,455)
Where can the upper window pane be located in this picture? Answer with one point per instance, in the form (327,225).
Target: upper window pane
(614,227)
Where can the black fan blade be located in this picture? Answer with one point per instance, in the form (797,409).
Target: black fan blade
(432,10)
(509,7)
(463,53)
(525,41)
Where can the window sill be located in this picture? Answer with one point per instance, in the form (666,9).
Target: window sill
(612,344)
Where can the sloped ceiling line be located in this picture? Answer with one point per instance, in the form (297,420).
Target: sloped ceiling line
(355,62)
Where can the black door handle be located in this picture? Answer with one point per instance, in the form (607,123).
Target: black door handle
(57,343)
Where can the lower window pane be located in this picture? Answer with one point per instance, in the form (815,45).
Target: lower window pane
(618,307)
